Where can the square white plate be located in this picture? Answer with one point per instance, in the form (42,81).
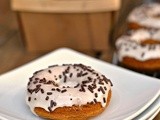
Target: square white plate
(154,115)
(150,111)
(132,92)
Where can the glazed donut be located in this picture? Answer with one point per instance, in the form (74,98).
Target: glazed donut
(68,92)
(145,16)
(134,55)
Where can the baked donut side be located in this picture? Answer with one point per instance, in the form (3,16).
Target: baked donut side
(75,112)
(148,66)
(68,87)
(135,56)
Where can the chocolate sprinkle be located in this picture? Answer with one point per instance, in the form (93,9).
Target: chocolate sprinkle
(104,99)
(79,74)
(35,82)
(105,80)
(29,83)
(30,79)
(52,66)
(96,95)
(100,82)
(91,102)
(52,103)
(38,86)
(58,89)
(42,91)
(93,86)
(47,98)
(86,81)
(90,88)
(89,78)
(49,108)
(49,93)
(30,91)
(54,84)
(70,75)
(49,71)
(37,72)
(60,76)
(101,89)
(67,70)
(82,89)
(36,78)
(65,78)
(84,74)
(49,82)
(152,47)
(142,54)
(29,99)
(95,100)
(63,91)
(76,85)
(42,80)
(105,88)
(37,89)
(53,89)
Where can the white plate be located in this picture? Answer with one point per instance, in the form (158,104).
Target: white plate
(132,92)
(150,112)
(154,115)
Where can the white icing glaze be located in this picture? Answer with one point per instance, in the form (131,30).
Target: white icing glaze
(145,15)
(156,35)
(73,95)
(141,35)
(132,49)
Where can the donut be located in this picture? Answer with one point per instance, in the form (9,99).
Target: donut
(145,16)
(138,51)
(68,92)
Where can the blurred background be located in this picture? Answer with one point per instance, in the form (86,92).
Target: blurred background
(29,29)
